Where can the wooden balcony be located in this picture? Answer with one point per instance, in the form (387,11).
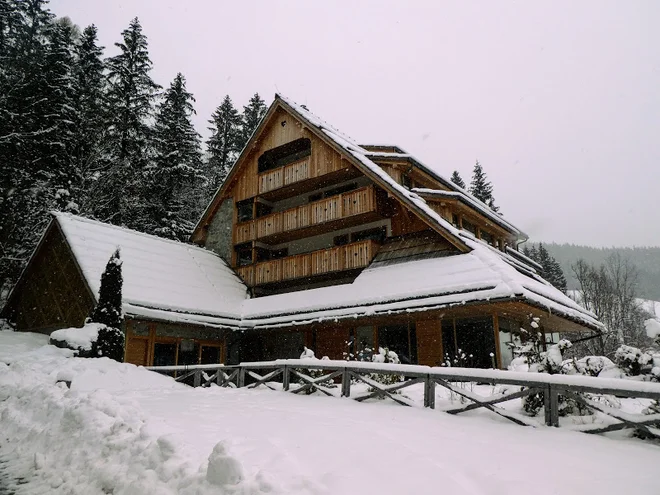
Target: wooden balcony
(349,208)
(317,263)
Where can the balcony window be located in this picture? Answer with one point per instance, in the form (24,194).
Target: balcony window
(263,209)
(469,226)
(341,240)
(285,154)
(243,254)
(245,210)
(488,237)
(378,234)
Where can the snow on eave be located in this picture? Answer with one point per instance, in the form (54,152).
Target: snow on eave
(169,316)
(470,200)
(357,155)
(523,257)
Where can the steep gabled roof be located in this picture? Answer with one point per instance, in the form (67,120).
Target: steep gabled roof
(160,276)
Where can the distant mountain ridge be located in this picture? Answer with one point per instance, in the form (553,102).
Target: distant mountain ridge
(646,259)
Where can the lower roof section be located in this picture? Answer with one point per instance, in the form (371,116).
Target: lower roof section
(180,283)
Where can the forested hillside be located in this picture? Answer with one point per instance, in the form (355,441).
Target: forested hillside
(645,259)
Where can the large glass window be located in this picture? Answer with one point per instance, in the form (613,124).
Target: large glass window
(509,337)
(448,341)
(475,340)
(401,339)
(243,254)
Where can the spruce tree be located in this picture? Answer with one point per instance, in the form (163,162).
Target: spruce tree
(89,85)
(252,115)
(108,312)
(457,179)
(223,145)
(481,188)
(176,173)
(131,96)
(551,270)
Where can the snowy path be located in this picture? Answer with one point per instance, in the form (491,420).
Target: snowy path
(319,445)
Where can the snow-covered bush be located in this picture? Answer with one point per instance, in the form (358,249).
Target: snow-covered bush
(632,360)
(652,327)
(590,366)
(308,354)
(386,356)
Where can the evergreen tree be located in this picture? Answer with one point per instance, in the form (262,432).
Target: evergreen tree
(89,87)
(108,312)
(481,188)
(223,145)
(550,268)
(252,115)
(457,179)
(131,96)
(176,172)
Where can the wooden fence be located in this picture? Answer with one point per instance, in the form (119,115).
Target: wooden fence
(294,376)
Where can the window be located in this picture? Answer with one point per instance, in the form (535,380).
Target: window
(315,197)
(448,341)
(469,226)
(487,236)
(341,240)
(401,339)
(263,209)
(475,338)
(378,234)
(285,154)
(244,210)
(406,181)
(264,254)
(454,220)
(243,254)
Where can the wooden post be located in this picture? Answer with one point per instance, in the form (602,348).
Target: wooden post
(197,380)
(346,383)
(240,382)
(429,392)
(219,378)
(551,403)
(286,377)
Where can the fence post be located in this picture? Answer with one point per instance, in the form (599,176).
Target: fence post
(346,383)
(197,380)
(551,405)
(240,382)
(286,377)
(429,392)
(219,377)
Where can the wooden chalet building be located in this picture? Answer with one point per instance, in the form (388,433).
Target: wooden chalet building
(313,240)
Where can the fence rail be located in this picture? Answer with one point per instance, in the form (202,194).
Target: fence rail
(551,387)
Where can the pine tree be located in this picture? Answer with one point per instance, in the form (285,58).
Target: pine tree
(176,171)
(481,188)
(131,96)
(223,145)
(551,270)
(252,115)
(108,312)
(457,179)
(89,86)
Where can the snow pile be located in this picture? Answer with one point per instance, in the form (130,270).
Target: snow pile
(77,338)
(652,327)
(92,439)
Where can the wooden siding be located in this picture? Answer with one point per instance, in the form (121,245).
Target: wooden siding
(349,257)
(52,293)
(137,351)
(323,160)
(429,342)
(340,206)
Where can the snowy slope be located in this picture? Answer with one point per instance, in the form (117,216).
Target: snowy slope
(123,430)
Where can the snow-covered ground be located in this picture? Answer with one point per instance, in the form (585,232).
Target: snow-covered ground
(121,429)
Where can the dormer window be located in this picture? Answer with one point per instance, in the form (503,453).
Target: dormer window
(285,154)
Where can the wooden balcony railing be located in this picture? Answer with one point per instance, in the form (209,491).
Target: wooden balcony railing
(337,207)
(348,257)
(283,176)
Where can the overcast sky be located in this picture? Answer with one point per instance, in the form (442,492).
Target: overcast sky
(558,100)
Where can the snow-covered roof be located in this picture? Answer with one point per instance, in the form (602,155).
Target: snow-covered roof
(161,277)
(173,281)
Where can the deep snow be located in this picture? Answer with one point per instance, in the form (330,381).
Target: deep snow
(121,429)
